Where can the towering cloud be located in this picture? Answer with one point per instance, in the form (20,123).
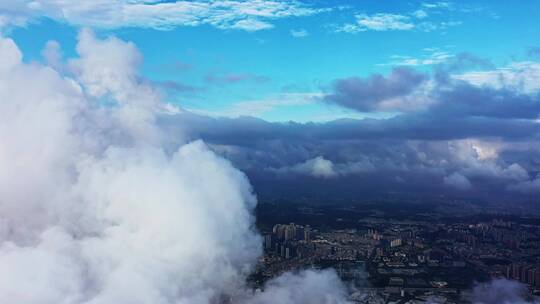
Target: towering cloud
(98,207)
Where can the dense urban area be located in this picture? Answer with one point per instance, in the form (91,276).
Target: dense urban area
(402,253)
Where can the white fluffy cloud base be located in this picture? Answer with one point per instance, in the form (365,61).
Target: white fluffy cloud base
(94,209)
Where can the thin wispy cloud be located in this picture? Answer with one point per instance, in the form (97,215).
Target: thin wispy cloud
(437,5)
(434,56)
(378,22)
(301,33)
(251,15)
(522,76)
(421,19)
(233,78)
(420,14)
(259,107)
(176,86)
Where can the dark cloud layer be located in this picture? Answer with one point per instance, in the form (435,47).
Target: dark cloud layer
(463,99)
(465,139)
(410,153)
(365,94)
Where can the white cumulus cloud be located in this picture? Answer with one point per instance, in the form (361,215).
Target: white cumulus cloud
(98,207)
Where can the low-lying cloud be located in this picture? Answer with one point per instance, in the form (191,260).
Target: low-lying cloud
(501,291)
(493,154)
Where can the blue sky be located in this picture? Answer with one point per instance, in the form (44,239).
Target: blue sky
(278,70)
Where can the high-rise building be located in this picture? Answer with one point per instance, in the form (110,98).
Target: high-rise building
(307,233)
(299,233)
(290,232)
(396,242)
(279,231)
(268,241)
